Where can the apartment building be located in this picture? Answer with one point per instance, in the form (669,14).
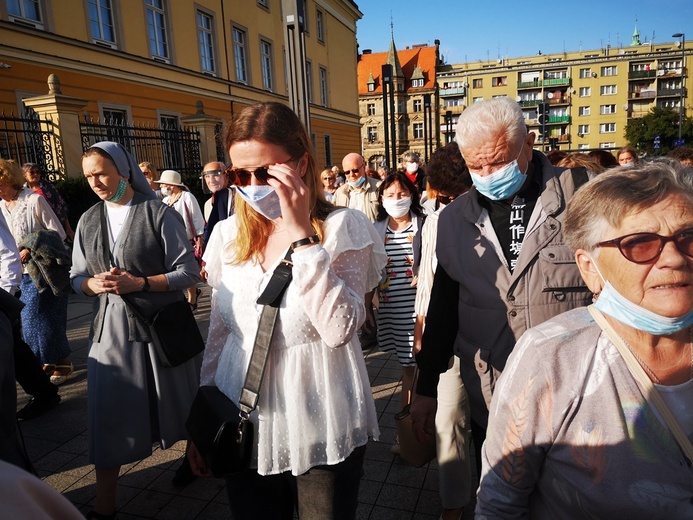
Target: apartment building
(414,107)
(580,100)
(168,63)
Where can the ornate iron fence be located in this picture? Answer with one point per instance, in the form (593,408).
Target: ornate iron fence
(166,147)
(27,138)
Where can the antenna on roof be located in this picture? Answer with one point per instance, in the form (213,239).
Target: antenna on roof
(392,27)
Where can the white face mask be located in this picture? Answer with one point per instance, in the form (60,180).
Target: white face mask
(397,208)
(164,191)
(412,167)
(262,199)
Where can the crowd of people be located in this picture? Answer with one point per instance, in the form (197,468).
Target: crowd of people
(540,306)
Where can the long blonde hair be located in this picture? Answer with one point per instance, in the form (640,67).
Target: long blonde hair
(276,124)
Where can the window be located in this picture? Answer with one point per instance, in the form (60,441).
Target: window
(585,91)
(607,145)
(607,109)
(239,55)
(607,128)
(418,131)
(323,86)
(418,105)
(372,134)
(309,81)
(156,30)
(320,25)
(607,90)
(583,129)
(328,150)
(477,99)
(477,83)
(416,83)
(583,147)
(266,63)
(371,87)
(205,38)
(306,25)
(499,81)
(609,70)
(585,73)
(26,12)
(584,111)
(101,22)
(453,84)
(453,102)
(114,116)
(556,74)
(370,109)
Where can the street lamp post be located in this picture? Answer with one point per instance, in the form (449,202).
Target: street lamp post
(682,108)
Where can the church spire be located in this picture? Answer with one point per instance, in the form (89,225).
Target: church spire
(392,57)
(636,34)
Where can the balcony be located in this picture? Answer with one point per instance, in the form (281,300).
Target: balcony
(558,101)
(559,119)
(454,110)
(642,74)
(558,81)
(459,91)
(669,92)
(668,73)
(529,103)
(564,138)
(642,94)
(529,84)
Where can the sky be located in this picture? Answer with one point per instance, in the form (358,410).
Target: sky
(473,30)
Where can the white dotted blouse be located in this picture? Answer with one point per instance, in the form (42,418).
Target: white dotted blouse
(316,404)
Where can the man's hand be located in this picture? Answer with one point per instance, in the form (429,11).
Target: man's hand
(423,416)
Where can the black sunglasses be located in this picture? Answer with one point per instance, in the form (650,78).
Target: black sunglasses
(353,170)
(641,248)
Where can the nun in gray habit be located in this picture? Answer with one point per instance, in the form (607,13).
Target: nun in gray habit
(133,401)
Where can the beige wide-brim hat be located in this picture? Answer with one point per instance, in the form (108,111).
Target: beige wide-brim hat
(170,177)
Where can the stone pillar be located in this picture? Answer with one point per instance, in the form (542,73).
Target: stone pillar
(64,112)
(206,125)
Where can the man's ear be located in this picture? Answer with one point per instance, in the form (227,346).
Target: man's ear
(588,271)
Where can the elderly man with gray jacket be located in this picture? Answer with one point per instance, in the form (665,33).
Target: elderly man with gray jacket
(503,266)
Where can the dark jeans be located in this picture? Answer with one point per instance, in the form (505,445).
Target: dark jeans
(322,493)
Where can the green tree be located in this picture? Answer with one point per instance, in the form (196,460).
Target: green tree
(663,122)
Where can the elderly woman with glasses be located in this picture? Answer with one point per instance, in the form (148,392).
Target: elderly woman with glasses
(328,179)
(592,416)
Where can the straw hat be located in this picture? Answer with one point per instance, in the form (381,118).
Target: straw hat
(171,177)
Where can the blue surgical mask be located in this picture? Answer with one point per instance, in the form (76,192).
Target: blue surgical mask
(501,184)
(357,183)
(262,199)
(613,303)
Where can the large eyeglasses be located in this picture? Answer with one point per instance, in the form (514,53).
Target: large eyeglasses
(641,248)
(241,177)
(212,173)
(353,170)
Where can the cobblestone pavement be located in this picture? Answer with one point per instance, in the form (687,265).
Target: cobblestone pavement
(57,445)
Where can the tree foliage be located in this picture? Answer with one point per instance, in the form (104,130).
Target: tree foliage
(663,122)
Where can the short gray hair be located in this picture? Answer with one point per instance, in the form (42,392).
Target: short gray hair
(486,119)
(605,201)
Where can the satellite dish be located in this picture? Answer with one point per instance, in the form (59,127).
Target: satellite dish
(625,106)
(677,43)
(549,95)
(518,98)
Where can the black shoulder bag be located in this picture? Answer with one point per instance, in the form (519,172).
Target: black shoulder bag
(173,329)
(221,431)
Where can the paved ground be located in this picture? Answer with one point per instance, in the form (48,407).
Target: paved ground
(57,445)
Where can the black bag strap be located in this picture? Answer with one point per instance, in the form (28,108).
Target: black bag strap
(270,298)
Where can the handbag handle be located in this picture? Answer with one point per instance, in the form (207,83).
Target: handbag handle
(270,298)
(650,393)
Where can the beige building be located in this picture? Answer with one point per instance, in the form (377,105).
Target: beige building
(589,96)
(167,63)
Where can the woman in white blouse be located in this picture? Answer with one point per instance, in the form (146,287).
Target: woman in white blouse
(316,411)
(179,198)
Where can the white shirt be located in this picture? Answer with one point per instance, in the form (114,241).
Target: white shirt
(189,209)
(10,265)
(316,404)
